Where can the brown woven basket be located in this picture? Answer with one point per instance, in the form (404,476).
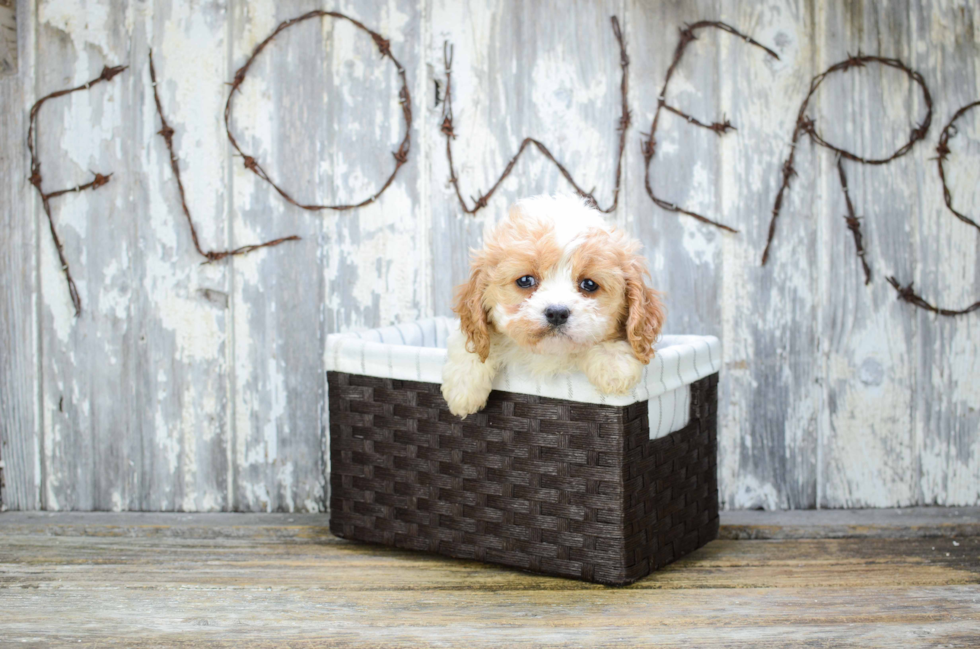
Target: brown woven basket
(557,487)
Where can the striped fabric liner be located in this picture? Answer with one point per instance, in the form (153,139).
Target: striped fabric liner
(416,351)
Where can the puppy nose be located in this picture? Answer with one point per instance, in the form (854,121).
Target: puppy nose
(556,315)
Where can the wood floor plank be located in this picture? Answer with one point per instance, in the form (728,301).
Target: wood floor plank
(759,617)
(351,566)
(262,581)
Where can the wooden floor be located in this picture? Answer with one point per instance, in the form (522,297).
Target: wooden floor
(905,578)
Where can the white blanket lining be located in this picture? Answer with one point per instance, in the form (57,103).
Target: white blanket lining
(415,351)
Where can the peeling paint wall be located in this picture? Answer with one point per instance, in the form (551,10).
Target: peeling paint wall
(196,387)
(8,38)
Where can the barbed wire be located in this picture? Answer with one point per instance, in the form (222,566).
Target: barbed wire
(404,98)
(98,181)
(649,146)
(807,125)
(167,133)
(853,223)
(623,124)
(906,293)
(942,152)
(804,125)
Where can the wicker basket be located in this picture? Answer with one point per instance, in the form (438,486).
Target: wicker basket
(551,485)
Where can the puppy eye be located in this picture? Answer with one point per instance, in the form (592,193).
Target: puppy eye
(527,281)
(588,286)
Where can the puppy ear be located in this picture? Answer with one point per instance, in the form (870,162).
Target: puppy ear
(645,315)
(473,318)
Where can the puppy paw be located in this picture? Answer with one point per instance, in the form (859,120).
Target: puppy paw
(613,368)
(466,381)
(464,399)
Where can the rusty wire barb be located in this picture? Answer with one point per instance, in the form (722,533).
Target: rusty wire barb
(167,133)
(404,98)
(807,125)
(648,146)
(906,293)
(98,181)
(622,125)
(943,151)
(853,223)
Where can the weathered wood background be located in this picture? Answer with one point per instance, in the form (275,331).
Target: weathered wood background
(200,387)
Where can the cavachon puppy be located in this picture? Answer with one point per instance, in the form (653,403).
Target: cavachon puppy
(554,289)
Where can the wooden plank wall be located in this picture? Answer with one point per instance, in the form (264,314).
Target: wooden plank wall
(196,387)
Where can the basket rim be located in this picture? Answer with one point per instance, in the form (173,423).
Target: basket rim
(387,352)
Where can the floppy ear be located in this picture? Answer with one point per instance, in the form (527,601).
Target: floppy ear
(645,315)
(473,318)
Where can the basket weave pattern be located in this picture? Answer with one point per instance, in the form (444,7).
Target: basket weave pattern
(553,486)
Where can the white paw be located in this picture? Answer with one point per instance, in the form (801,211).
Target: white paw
(614,370)
(466,382)
(464,397)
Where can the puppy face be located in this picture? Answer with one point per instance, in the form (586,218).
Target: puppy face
(556,279)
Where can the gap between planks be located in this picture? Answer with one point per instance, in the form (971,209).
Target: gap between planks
(912,522)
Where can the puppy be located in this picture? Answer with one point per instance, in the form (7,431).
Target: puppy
(555,289)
